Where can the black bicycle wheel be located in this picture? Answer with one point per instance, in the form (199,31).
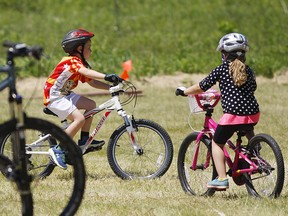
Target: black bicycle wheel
(72,179)
(194,181)
(7,167)
(154,157)
(269,179)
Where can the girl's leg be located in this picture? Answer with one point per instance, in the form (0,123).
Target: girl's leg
(220,183)
(219,159)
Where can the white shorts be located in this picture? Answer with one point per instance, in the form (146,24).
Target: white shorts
(64,106)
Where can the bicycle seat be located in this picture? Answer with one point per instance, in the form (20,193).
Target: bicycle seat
(48,111)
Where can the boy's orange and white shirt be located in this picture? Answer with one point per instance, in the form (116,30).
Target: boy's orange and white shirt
(63,79)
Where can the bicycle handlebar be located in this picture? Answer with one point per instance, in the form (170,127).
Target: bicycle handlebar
(210,97)
(16,50)
(22,50)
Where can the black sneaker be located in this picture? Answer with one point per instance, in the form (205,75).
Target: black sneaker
(95,144)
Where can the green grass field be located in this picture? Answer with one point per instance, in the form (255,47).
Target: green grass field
(106,194)
(160,37)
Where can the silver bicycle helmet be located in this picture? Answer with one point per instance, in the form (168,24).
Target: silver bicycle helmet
(233,42)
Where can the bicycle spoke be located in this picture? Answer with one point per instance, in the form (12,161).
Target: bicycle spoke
(268,180)
(152,161)
(194,181)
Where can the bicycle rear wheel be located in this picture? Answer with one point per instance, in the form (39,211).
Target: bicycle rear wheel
(152,161)
(38,162)
(269,180)
(194,181)
(7,167)
(73,179)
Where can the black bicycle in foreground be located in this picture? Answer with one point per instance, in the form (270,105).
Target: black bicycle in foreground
(17,169)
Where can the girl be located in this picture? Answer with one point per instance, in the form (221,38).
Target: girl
(237,85)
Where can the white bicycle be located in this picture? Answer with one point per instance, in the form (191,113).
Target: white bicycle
(139,148)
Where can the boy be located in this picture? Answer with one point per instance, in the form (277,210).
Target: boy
(58,94)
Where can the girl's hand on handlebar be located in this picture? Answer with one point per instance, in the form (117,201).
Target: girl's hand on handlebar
(180,91)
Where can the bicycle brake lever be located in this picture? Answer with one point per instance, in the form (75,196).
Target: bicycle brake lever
(116,88)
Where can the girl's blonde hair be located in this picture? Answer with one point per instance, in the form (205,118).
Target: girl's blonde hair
(237,72)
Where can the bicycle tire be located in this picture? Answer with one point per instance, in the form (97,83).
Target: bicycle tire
(7,167)
(194,182)
(77,174)
(269,180)
(154,160)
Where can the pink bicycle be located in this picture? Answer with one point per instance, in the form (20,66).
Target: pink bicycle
(258,165)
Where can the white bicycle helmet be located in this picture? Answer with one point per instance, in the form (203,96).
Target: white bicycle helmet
(233,42)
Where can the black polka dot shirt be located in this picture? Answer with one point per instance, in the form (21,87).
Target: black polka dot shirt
(235,100)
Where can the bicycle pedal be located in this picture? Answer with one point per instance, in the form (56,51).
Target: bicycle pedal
(47,171)
(220,189)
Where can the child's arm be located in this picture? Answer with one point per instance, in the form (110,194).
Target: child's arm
(194,89)
(98,84)
(92,74)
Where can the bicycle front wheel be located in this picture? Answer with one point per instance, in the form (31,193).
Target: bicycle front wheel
(40,135)
(269,179)
(153,158)
(194,180)
(7,167)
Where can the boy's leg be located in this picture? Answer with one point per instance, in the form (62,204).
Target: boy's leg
(86,104)
(78,121)
(62,108)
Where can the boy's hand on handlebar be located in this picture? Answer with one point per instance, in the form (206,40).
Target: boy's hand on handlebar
(112,78)
(180,91)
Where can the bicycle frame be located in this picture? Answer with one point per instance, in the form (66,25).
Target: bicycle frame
(16,112)
(110,105)
(21,176)
(209,128)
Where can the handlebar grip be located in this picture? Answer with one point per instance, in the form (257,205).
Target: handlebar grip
(22,50)
(36,51)
(9,44)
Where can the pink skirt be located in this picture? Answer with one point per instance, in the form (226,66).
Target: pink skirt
(229,119)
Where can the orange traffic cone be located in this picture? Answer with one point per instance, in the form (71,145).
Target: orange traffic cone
(127,67)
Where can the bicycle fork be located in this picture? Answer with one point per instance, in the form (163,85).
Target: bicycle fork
(194,165)
(131,128)
(129,123)
(21,177)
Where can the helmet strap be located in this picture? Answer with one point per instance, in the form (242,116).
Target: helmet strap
(86,64)
(223,56)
